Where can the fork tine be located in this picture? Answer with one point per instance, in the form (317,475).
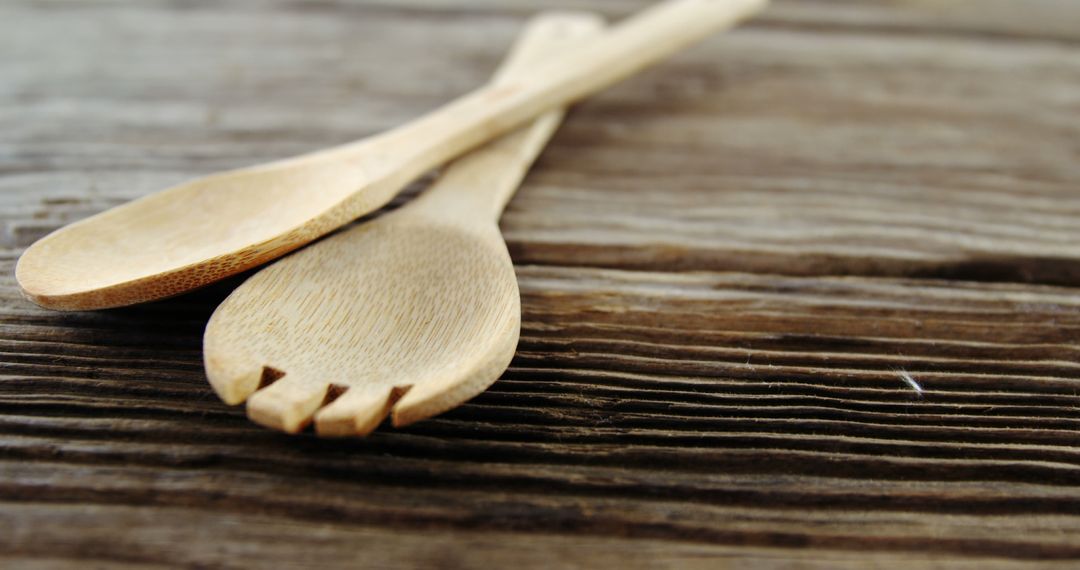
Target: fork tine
(287,404)
(356,412)
(234,383)
(435,396)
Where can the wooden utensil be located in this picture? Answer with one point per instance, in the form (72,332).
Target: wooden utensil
(420,303)
(207,229)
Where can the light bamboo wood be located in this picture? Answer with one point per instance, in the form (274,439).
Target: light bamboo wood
(190,235)
(421,304)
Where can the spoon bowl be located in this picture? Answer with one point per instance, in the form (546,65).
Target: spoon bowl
(193,234)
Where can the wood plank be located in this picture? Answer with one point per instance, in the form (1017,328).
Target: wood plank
(732,410)
(256,538)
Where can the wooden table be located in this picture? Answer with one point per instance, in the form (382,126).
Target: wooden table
(729,265)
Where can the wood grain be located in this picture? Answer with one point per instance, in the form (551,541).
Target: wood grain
(726,264)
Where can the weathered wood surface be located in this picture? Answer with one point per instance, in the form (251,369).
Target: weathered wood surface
(727,266)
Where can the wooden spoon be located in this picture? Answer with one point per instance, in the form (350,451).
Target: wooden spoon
(207,229)
(421,302)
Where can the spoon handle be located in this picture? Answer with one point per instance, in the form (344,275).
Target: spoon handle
(477,186)
(560,79)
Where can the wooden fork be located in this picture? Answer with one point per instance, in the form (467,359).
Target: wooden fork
(414,312)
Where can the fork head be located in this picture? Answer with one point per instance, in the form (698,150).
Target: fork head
(402,316)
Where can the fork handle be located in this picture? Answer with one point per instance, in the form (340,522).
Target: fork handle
(406,152)
(478,185)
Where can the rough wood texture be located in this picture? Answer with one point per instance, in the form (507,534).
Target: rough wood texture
(726,266)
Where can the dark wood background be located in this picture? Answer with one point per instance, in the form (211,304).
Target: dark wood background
(727,265)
